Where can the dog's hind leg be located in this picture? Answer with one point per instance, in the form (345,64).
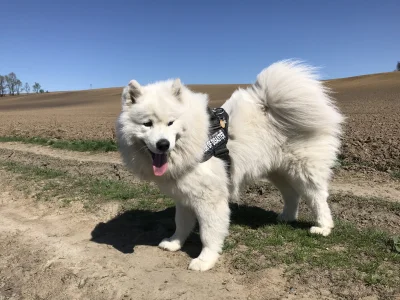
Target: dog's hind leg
(214,226)
(290,198)
(185,220)
(315,193)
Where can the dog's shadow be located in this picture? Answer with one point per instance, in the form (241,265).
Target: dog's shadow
(143,227)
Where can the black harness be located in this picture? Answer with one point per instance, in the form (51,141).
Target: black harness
(218,137)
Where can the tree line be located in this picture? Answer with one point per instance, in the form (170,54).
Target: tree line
(13,86)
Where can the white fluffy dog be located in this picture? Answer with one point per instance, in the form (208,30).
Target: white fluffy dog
(284,128)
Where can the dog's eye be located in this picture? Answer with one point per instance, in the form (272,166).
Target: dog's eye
(170,123)
(148,124)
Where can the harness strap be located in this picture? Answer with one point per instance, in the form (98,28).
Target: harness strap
(218,137)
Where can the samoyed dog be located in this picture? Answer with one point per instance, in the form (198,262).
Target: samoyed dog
(284,128)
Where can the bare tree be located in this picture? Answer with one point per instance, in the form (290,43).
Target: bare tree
(11,81)
(36,87)
(27,88)
(398,66)
(18,86)
(2,85)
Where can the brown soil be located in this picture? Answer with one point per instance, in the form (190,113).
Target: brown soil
(75,115)
(371,104)
(372,107)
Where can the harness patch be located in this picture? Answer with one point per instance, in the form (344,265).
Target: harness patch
(217,139)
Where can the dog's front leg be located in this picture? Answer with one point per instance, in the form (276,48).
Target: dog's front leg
(185,220)
(214,226)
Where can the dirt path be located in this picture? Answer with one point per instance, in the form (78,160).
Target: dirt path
(374,184)
(110,157)
(48,251)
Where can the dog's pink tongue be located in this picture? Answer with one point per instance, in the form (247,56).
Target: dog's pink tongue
(160,164)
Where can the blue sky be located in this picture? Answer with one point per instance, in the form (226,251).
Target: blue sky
(68,45)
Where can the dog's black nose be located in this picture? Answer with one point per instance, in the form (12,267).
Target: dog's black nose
(162,145)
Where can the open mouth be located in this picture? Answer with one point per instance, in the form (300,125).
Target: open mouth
(160,163)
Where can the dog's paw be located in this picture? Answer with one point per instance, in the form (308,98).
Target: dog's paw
(205,261)
(324,231)
(199,265)
(169,245)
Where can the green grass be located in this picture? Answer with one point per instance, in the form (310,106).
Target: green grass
(31,172)
(73,145)
(368,255)
(340,162)
(363,202)
(365,254)
(55,184)
(396,175)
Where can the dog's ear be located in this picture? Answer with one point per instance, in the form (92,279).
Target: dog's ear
(177,88)
(134,90)
(131,93)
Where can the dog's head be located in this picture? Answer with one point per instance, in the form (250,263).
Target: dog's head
(158,115)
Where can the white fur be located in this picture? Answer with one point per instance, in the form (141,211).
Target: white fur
(285,127)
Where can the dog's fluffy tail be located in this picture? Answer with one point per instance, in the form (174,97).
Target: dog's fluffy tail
(297,100)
